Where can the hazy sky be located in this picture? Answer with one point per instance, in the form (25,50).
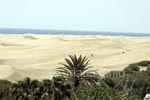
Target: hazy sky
(89,15)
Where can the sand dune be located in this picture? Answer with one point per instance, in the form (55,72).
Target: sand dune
(37,56)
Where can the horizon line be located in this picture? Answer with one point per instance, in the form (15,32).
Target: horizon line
(78,31)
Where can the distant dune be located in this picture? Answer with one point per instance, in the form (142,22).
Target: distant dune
(37,56)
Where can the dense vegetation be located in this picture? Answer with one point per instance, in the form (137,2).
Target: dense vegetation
(77,81)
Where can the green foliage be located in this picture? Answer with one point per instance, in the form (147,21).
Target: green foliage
(101,93)
(132,68)
(58,89)
(109,81)
(31,89)
(71,85)
(77,71)
(135,67)
(55,89)
(62,90)
(148,71)
(144,63)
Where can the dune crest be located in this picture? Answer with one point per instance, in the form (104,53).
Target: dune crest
(9,44)
(30,37)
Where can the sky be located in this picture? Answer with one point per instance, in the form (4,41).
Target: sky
(83,15)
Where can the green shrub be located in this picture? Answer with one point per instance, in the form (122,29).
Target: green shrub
(132,68)
(144,63)
(131,86)
(109,81)
(128,70)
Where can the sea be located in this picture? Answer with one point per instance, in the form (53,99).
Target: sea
(66,32)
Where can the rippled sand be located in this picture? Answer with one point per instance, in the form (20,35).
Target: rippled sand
(38,56)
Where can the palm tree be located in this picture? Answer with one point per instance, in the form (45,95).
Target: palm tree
(77,70)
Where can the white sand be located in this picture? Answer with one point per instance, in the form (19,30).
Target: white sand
(38,56)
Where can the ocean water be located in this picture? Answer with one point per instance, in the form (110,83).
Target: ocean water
(66,32)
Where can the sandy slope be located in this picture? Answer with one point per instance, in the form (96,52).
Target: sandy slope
(38,56)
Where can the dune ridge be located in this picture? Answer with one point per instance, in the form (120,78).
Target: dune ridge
(37,56)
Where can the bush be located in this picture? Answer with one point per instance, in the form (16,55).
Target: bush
(109,81)
(132,68)
(131,86)
(148,71)
(128,70)
(144,63)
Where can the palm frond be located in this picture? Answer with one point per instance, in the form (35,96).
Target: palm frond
(77,69)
